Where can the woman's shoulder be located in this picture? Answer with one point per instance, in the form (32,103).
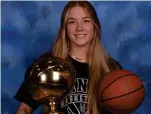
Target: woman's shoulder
(46,54)
(113,63)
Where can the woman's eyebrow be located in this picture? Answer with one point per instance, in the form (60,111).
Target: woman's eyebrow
(75,18)
(71,18)
(85,17)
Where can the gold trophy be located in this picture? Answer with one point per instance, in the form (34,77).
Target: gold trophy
(51,79)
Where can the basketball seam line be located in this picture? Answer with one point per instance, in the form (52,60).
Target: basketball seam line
(113,82)
(114,109)
(123,95)
(121,109)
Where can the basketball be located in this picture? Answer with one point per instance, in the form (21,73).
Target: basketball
(121,92)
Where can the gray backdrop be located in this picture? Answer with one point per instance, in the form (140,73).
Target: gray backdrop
(29,29)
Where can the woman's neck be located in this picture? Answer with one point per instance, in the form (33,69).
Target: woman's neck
(79,53)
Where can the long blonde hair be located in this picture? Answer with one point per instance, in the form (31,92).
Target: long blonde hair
(98,59)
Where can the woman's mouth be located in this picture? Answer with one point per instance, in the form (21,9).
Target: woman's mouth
(80,35)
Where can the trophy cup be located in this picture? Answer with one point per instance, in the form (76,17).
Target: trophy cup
(51,79)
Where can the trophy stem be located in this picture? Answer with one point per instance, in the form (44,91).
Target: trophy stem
(54,108)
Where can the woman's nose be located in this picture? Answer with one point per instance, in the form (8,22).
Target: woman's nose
(79,27)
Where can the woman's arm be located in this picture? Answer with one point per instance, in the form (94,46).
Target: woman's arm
(24,109)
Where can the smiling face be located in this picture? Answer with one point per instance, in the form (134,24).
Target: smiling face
(80,28)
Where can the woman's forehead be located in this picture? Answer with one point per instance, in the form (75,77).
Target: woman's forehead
(78,12)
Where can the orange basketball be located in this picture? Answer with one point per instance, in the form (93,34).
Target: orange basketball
(121,91)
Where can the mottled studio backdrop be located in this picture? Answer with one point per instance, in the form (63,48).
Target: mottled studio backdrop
(29,29)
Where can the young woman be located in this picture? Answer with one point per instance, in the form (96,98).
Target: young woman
(78,40)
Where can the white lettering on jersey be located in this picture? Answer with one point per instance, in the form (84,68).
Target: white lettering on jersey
(76,101)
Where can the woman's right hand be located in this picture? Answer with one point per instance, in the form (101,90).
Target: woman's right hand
(24,109)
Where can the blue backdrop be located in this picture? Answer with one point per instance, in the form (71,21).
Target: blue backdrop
(29,29)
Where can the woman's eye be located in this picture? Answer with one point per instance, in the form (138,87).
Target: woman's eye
(71,22)
(86,21)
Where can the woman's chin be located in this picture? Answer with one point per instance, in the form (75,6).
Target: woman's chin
(82,44)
